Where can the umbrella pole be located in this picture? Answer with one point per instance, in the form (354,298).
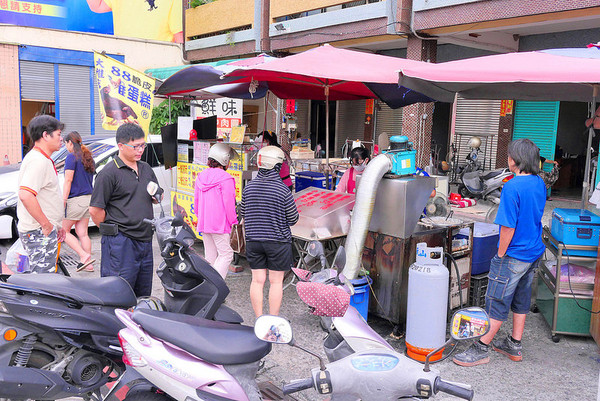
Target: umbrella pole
(588,158)
(327,137)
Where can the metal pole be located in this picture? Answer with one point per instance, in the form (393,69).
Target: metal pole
(327,137)
(588,158)
(169,109)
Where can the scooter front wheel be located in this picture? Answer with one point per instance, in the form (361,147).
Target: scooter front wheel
(147,396)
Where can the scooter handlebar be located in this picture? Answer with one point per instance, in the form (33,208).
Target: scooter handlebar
(298,385)
(453,389)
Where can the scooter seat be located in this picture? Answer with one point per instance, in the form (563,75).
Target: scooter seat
(215,342)
(106,291)
(492,174)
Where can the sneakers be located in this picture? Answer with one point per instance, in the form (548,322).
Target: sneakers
(476,354)
(509,348)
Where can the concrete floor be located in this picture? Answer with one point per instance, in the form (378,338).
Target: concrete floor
(550,371)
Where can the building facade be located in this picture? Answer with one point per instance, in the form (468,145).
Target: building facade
(426,30)
(51,71)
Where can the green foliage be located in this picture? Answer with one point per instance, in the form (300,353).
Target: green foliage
(160,114)
(196,3)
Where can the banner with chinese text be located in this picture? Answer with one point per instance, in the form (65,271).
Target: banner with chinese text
(228,112)
(186,178)
(184,204)
(126,95)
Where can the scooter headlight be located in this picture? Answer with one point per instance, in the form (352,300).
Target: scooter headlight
(3,308)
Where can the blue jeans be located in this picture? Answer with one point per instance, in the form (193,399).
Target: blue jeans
(128,258)
(509,286)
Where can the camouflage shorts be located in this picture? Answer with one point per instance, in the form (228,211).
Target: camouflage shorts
(42,250)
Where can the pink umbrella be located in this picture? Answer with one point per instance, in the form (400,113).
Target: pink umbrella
(328,73)
(554,74)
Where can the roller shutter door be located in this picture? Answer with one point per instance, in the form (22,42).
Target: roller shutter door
(387,120)
(538,121)
(302,115)
(475,117)
(37,81)
(74,98)
(350,123)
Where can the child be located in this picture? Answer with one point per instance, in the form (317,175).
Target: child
(519,250)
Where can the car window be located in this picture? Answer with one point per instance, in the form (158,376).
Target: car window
(97,149)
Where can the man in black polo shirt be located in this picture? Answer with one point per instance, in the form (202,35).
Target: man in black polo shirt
(119,205)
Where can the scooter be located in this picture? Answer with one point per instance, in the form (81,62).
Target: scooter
(184,358)
(60,333)
(485,185)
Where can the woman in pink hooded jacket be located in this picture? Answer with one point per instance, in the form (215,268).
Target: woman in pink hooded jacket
(214,204)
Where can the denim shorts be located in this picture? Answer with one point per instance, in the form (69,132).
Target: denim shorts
(509,286)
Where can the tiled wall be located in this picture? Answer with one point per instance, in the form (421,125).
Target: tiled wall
(10,104)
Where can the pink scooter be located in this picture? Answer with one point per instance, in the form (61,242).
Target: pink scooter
(187,358)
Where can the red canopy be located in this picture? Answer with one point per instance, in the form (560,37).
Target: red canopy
(348,74)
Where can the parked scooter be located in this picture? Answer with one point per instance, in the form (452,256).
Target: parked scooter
(484,184)
(182,357)
(60,333)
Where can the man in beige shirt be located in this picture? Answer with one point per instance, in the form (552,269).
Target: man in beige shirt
(40,208)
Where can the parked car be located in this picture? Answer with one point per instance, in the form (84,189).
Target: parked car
(103,150)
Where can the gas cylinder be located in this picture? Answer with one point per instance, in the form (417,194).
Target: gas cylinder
(6,161)
(426,309)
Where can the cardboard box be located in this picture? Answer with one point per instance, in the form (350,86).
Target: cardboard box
(464,268)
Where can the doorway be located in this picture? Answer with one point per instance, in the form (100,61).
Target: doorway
(571,148)
(30,109)
(318,128)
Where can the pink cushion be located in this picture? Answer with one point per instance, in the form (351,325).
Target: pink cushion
(325,299)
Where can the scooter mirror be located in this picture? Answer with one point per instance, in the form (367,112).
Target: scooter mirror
(315,249)
(339,262)
(152,188)
(177,220)
(469,323)
(273,329)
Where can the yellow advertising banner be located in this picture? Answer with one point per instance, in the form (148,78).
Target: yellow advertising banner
(186,178)
(184,205)
(126,95)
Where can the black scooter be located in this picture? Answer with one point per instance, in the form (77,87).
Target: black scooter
(59,334)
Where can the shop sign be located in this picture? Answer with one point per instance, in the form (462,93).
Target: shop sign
(126,95)
(228,112)
(186,178)
(506,107)
(150,19)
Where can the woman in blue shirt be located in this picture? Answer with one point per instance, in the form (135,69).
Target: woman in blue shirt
(77,192)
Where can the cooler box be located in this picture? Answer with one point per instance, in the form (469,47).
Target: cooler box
(485,245)
(576,227)
(305,179)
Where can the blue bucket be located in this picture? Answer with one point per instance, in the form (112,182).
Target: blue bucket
(360,299)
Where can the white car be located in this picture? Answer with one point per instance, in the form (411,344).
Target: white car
(103,150)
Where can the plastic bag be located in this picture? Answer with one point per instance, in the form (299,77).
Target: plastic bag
(17,256)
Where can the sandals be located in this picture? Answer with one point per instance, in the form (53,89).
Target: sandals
(87,266)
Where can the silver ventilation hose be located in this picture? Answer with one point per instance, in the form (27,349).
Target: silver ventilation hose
(363,210)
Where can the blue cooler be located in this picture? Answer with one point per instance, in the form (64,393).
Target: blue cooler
(360,299)
(305,179)
(485,246)
(576,227)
